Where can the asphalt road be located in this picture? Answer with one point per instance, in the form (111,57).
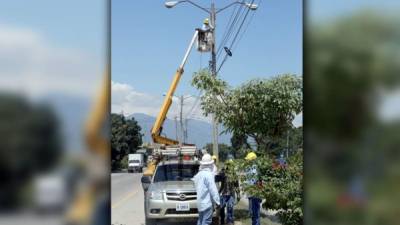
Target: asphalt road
(127,201)
(127,206)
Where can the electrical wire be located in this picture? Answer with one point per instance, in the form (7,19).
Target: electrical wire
(246,27)
(235,37)
(238,16)
(230,25)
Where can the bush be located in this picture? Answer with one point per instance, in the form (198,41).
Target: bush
(124,162)
(280,186)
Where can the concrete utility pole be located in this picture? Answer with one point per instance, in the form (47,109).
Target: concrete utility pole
(181,119)
(185,139)
(176,128)
(213,65)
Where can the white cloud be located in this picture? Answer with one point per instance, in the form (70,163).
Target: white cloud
(125,99)
(30,64)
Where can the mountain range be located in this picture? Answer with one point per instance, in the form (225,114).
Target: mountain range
(198,132)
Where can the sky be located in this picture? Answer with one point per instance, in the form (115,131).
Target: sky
(149,41)
(59,46)
(53,52)
(52,46)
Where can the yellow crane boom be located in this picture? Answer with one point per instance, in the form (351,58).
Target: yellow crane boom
(157,127)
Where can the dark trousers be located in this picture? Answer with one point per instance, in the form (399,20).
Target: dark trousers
(227,202)
(254,209)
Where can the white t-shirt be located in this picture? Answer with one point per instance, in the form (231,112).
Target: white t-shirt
(214,170)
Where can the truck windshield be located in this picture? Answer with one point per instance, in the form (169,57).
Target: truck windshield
(175,172)
(134,161)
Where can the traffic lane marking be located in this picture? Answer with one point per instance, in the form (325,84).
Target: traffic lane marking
(118,203)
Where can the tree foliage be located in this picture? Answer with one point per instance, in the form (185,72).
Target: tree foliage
(30,143)
(125,138)
(239,145)
(280,186)
(293,140)
(352,60)
(262,109)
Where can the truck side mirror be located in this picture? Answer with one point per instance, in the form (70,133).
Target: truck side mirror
(145,182)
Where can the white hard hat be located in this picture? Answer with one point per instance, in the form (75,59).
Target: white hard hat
(206,159)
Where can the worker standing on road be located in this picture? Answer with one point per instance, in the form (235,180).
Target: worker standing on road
(206,190)
(254,202)
(229,189)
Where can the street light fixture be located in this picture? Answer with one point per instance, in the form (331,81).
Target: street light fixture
(251,6)
(248,5)
(171,4)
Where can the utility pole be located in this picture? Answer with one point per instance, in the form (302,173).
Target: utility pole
(176,128)
(181,120)
(185,139)
(213,65)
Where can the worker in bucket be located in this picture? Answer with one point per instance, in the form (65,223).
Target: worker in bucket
(229,190)
(206,25)
(254,202)
(206,189)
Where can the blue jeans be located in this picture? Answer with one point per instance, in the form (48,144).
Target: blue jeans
(254,209)
(205,217)
(228,202)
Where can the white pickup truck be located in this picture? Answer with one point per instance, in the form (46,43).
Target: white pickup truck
(135,162)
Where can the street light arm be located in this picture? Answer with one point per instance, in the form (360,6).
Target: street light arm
(250,6)
(237,2)
(196,5)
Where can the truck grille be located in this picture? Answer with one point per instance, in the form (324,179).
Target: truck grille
(173,211)
(184,196)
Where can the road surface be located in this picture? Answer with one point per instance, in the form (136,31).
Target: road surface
(127,201)
(127,205)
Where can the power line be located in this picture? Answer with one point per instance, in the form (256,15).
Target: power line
(235,37)
(194,106)
(246,27)
(238,16)
(229,27)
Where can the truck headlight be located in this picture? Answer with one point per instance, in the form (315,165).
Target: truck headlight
(156,195)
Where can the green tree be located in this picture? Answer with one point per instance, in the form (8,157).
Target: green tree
(262,109)
(125,138)
(352,60)
(295,140)
(30,143)
(239,145)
